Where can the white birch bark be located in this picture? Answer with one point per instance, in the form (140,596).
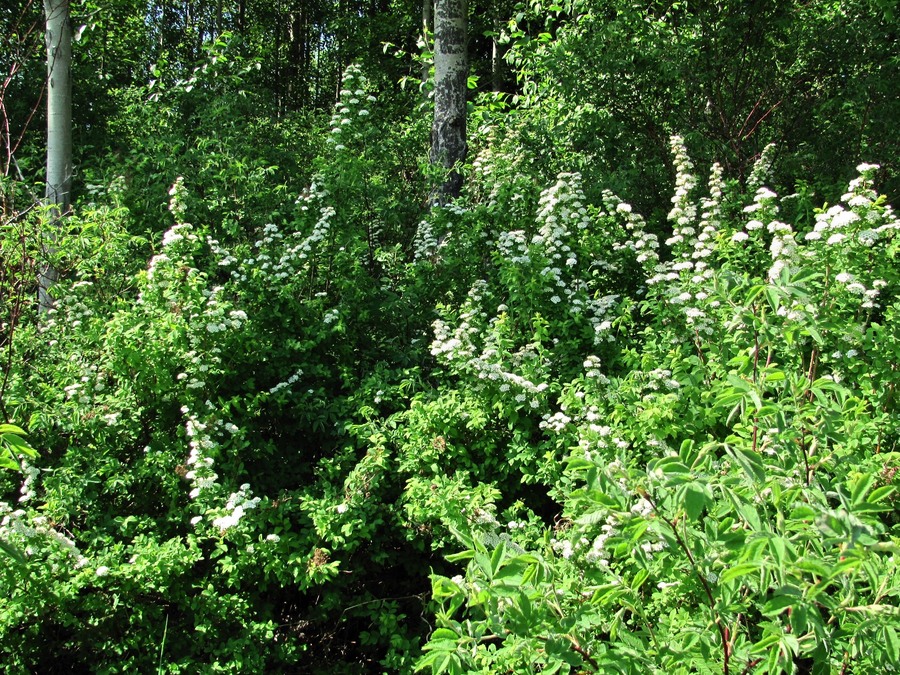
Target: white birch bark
(59,127)
(451,71)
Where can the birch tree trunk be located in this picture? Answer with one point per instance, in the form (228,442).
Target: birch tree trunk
(59,128)
(448,134)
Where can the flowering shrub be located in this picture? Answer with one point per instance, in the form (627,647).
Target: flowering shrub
(659,453)
(728,502)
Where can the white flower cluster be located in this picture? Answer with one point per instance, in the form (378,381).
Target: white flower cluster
(556,422)
(513,246)
(286,383)
(90,382)
(19,527)
(645,245)
(279,256)
(684,212)
(202,441)
(490,363)
(217,316)
(237,505)
(354,103)
(177,243)
(598,553)
(69,311)
(598,437)
(177,203)
(28,489)
(561,214)
(762,169)
(683,279)
(425,243)
(855,221)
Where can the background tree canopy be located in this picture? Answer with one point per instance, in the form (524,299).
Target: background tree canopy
(626,404)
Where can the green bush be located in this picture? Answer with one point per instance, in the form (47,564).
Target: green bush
(728,500)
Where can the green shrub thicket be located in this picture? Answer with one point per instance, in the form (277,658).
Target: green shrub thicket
(524,427)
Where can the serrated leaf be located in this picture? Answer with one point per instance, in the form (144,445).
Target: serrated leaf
(672,465)
(444,634)
(803,512)
(764,644)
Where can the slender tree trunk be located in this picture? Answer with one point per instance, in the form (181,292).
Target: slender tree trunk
(451,71)
(59,129)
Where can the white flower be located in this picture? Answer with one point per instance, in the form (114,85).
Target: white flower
(835,239)
(225,522)
(843,219)
(102,571)
(867,237)
(342,507)
(739,237)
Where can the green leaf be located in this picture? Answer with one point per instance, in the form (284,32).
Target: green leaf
(778,604)
(12,551)
(771,294)
(497,558)
(764,644)
(738,571)
(444,634)
(880,493)
(749,461)
(8,462)
(695,500)
(861,487)
(639,579)
(892,644)
(462,556)
(12,429)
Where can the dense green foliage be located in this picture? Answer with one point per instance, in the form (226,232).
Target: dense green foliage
(287,417)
